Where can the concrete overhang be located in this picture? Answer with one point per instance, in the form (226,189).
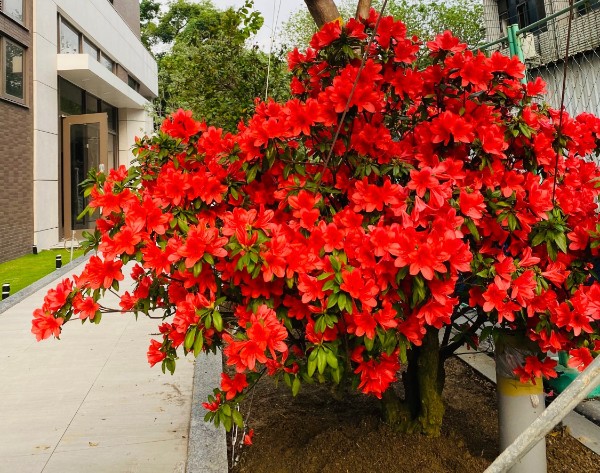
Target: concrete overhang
(87,73)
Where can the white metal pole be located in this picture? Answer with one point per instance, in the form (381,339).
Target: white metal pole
(519,404)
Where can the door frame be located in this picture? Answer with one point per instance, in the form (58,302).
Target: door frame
(67,122)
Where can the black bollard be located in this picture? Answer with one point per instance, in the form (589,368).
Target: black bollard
(35,249)
(5,290)
(58,261)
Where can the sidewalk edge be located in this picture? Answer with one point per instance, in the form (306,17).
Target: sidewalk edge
(207,444)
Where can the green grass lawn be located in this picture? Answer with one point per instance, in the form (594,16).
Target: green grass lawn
(26,270)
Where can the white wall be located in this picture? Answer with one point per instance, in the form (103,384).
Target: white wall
(132,123)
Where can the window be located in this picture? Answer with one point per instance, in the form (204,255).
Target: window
(13,75)
(134,84)
(107,62)
(71,98)
(521,12)
(69,38)
(588,6)
(13,8)
(503,14)
(90,48)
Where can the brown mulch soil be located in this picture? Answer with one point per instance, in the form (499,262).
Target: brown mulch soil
(313,433)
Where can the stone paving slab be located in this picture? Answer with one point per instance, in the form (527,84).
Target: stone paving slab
(89,402)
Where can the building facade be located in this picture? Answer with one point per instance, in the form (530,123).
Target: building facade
(16,129)
(92,82)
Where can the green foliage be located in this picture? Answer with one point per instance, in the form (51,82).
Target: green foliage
(423,18)
(205,63)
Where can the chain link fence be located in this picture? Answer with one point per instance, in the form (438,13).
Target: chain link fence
(538,31)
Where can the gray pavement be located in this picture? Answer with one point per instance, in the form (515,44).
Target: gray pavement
(89,402)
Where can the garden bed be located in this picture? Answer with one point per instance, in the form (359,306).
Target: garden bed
(314,433)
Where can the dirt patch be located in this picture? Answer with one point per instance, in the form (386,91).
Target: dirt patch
(313,433)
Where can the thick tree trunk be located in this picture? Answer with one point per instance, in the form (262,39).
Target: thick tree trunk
(322,11)
(363,8)
(423,409)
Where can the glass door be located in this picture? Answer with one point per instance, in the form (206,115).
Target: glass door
(84,149)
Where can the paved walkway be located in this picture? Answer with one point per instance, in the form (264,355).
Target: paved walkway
(89,402)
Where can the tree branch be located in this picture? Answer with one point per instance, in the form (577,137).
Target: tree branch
(362,9)
(448,350)
(322,11)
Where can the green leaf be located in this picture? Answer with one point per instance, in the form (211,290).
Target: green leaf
(561,242)
(237,418)
(312,365)
(552,253)
(190,337)
(183,225)
(217,321)
(198,343)
(296,386)
(335,264)
(321,361)
(332,359)
(332,301)
(538,238)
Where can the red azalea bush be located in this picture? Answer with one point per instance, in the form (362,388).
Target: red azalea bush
(449,189)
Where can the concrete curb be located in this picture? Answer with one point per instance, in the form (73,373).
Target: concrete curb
(24,293)
(207,444)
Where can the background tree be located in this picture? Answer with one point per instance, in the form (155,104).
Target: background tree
(423,18)
(206,63)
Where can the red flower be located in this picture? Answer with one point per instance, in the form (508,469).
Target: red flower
(444,43)
(359,286)
(535,368)
(376,375)
(100,273)
(233,386)
(327,35)
(86,307)
(181,125)
(213,406)
(155,353)
(45,325)
(56,298)
(201,239)
(472,205)
(248,437)
(580,358)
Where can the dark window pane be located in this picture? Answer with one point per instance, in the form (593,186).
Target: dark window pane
(107,62)
(91,104)
(71,98)
(13,70)
(13,8)
(135,85)
(112,115)
(69,39)
(90,48)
